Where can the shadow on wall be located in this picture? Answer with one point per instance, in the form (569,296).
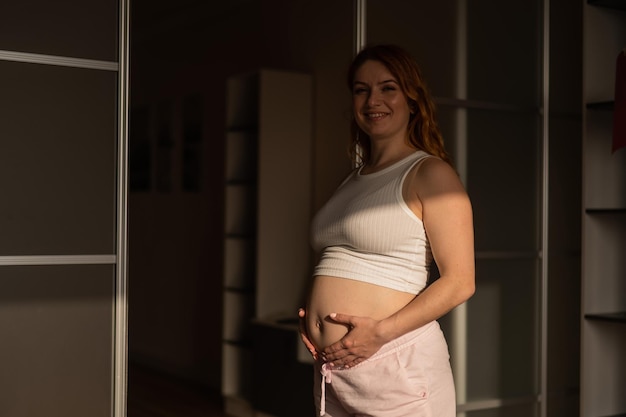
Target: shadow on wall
(181,57)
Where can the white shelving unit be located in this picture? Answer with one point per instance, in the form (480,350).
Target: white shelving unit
(603,332)
(267,214)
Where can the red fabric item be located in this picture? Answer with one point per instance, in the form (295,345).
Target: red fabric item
(619,114)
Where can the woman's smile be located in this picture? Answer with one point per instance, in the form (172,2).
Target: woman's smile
(376,116)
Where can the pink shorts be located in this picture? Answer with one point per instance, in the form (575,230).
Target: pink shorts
(409,376)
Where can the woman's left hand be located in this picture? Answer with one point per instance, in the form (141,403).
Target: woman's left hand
(304,335)
(362,341)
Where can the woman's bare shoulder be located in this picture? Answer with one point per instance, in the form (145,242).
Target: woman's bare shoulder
(433,174)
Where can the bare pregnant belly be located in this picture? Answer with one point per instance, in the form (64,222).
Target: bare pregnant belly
(340,295)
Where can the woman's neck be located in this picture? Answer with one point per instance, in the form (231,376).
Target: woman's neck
(382,157)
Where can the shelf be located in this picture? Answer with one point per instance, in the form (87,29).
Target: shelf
(240,182)
(484,105)
(252,128)
(601,105)
(266,215)
(612,4)
(245,344)
(605,210)
(603,339)
(619,316)
(241,236)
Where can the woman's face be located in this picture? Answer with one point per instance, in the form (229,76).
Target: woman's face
(380,107)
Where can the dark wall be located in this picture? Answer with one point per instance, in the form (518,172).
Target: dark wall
(182,54)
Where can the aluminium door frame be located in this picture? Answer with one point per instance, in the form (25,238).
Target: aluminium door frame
(120,371)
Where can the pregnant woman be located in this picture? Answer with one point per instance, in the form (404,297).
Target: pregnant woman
(370,320)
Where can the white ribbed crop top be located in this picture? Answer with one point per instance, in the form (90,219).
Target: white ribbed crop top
(367,232)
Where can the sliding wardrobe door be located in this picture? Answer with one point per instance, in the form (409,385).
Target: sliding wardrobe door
(62,217)
(491,127)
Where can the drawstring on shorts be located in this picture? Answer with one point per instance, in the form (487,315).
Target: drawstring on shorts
(326,372)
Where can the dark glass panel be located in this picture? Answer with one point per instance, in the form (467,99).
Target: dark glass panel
(57,160)
(71,28)
(56,324)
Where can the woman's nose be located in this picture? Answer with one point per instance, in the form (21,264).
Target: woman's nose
(373,99)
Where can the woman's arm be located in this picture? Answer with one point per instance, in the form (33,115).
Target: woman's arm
(435,193)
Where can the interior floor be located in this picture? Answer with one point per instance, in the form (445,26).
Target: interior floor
(151,394)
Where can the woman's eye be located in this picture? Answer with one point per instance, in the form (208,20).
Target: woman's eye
(359,90)
(388,88)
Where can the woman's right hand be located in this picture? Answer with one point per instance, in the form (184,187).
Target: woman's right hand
(304,335)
